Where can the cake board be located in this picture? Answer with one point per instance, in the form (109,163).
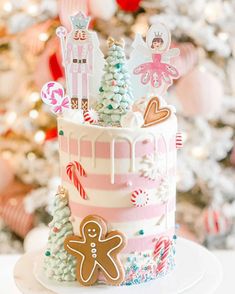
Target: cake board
(197,271)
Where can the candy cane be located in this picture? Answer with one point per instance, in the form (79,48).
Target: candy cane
(72,169)
(161,251)
(91,116)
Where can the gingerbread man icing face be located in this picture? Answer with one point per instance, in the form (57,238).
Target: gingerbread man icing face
(92,230)
(96,250)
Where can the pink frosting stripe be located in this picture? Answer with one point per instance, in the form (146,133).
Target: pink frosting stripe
(145,243)
(63,143)
(102,182)
(122,214)
(122,149)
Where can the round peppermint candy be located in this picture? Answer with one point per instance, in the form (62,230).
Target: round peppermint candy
(91,116)
(139,198)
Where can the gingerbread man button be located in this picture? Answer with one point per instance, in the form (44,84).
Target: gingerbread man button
(96,250)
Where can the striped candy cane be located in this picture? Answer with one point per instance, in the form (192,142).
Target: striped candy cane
(179,141)
(161,251)
(73,169)
(91,116)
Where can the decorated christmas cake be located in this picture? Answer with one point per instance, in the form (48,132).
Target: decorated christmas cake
(114,213)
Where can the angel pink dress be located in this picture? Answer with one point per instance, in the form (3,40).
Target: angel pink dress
(156,72)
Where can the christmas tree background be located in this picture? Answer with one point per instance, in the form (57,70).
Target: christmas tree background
(204,97)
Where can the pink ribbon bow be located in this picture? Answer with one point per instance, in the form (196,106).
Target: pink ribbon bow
(59,107)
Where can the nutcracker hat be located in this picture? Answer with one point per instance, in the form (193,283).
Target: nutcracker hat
(80,21)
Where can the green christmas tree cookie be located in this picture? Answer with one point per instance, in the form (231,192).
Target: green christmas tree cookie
(59,265)
(115,97)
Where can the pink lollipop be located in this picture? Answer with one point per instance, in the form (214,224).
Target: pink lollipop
(52,94)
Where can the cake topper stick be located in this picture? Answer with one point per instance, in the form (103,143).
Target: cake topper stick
(151,61)
(61,32)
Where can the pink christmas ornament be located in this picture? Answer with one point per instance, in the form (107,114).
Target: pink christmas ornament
(200,93)
(91,116)
(215,222)
(139,198)
(232,157)
(187,59)
(6,174)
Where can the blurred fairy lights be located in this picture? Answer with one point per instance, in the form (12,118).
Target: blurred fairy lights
(7,6)
(39,137)
(32,9)
(11,117)
(43,37)
(34,96)
(33,113)
(213,11)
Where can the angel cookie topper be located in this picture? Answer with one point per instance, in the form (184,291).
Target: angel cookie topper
(96,250)
(79,48)
(155,72)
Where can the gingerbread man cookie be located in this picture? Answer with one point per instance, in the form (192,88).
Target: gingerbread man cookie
(96,250)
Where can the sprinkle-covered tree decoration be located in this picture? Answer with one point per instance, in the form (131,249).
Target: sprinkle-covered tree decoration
(58,264)
(115,97)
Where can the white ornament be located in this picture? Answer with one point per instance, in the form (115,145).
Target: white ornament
(36,239)
(103,9)
(132,120)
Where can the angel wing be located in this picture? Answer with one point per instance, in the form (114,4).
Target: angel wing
(166,56)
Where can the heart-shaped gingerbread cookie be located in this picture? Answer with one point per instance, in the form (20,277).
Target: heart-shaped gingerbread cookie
(154,114)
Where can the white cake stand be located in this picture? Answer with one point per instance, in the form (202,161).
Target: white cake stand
(197,271)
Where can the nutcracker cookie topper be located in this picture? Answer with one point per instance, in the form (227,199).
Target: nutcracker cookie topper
(79,49)
(150,61)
